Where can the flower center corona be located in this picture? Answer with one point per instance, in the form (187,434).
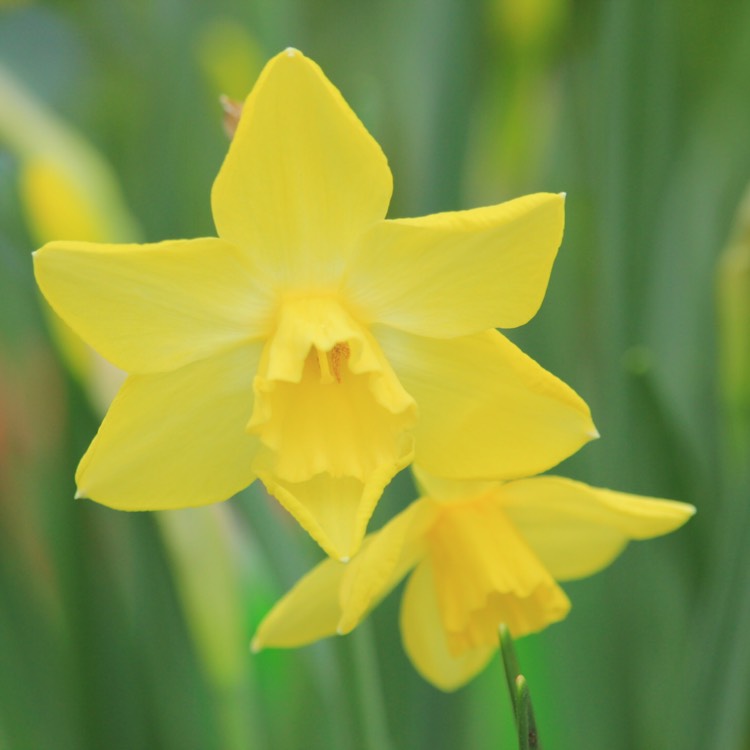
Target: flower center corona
(357,429)
(485,573)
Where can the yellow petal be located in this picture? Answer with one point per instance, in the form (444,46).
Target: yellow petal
(152,308)
(176,439)
(449,490)
(385,558)
(334,597)
(577,530)
(333,510)
(425,640)
(459,273)
(486,410)
(303,178)
(308,612)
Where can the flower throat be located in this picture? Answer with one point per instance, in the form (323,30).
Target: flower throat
(330,363)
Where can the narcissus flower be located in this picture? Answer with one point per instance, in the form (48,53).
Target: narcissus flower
(315,344)
(482,554)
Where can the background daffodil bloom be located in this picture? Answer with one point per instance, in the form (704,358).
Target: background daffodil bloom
(482,554)
(315,344)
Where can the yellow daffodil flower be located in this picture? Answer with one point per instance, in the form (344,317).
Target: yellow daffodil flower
(315,344)
(482,554)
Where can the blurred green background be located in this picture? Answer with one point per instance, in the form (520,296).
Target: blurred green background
(125,631)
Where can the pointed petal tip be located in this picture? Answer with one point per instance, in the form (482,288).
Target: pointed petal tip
(333,550)
(342,552)
(47,245)
(256,646)
(341,532)
(292,52)
(563,195)
(346,624)
(689,512)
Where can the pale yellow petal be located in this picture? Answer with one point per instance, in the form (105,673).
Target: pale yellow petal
(486,410)
(449,490)
(577,530)
(385,558)
(308,612)
(176,439)
(459,273)
(333,510)
(302,179)
(425,640)
(153,308)
(336,596)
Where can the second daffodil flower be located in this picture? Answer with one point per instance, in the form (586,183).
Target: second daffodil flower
(315,344)
(482,554)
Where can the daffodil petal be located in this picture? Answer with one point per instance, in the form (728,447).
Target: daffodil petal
(153,308)
(486,410)
(333,510)
(576,530)
(307,612)
(385,558)
(303,178)
(449,490)
(462,272)
(176,439)
(425,640)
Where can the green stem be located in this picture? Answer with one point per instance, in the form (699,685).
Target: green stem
(519,694)
(369,690)
(510,664)
(528,738)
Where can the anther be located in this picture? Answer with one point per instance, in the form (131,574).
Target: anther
(330,363)
(338,355)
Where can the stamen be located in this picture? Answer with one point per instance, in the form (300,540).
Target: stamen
(338,355)
(330,363)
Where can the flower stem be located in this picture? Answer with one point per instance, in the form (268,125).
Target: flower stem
(369,689)
(528,738)
(510,665)
(518,688)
